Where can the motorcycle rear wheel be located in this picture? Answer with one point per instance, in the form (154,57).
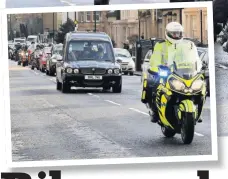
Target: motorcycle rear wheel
(168,132)
(187,128)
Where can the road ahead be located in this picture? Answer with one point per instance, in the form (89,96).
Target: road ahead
(49,125)
(45,3)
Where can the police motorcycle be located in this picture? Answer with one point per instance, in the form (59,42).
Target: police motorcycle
(181,91)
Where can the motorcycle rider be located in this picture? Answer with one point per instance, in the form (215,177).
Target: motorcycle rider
(173,34)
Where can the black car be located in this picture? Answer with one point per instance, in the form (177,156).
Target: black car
(51,62)
(88,61)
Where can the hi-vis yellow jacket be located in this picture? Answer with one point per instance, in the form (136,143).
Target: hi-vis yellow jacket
(160,54)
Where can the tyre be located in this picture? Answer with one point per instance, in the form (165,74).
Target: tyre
(117,88)
(131,73)
(125,73)
(47,72)
(65,87)
(51,73)
(42,70)
(23,64)
(58,85)
(168,132)
(187,128)
(32,67)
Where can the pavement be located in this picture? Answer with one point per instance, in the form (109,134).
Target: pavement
(49,3)
(88,123)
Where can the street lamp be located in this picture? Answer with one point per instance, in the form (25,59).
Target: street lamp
(201,26)
(95,21)
(139,23)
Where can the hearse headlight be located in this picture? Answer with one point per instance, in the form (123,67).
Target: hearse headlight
(109,71)
(116,71)
(76,70)
(69,70)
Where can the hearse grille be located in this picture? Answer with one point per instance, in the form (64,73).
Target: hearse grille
(93,71)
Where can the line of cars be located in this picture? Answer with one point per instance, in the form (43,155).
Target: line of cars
(86,59)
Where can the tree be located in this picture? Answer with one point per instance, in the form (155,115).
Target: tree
(68,26)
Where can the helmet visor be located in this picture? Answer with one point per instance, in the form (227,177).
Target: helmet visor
(176,35)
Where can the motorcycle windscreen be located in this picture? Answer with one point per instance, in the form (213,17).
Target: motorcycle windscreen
(183,59)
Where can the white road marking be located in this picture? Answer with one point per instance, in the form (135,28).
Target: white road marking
(68,2)
(136,110)
(96,96)
(90,94)
(113,102)
(198,134)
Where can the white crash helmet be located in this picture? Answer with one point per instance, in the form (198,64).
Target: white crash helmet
(174,32)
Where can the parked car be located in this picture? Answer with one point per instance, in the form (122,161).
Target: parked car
(203,54)
(124,58)
(88,61)
(146,63)
(45,53)
(51,62)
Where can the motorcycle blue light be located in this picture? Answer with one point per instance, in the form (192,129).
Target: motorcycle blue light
(163,73)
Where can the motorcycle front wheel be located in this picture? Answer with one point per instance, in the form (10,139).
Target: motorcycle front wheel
(187,128)
(168,132)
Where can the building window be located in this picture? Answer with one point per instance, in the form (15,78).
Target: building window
(194,22)
(88,16)
(98,15)
(81,17)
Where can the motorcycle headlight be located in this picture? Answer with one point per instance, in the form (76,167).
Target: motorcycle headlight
(110,71)
(177,85)
(197,85)
(54,60)
(76,71)
(163,73)
(116,71)
(69,70)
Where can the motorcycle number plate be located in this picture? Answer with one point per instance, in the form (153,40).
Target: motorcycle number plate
(93,77)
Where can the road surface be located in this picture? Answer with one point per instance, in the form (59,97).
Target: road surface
(48,3)
(88,124)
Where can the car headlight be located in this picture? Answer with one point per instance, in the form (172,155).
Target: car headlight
(69,70)
(177,85)
(110,71)
(116,71)
(76,70)
(197,85)
(131,64)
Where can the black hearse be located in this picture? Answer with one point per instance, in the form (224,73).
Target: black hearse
(88,61)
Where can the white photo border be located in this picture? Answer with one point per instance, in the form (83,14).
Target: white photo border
(6,94)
